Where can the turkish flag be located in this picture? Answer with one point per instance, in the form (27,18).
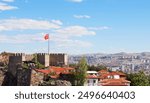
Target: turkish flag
(46,36)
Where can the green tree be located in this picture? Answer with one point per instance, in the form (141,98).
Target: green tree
(149,79)
(101,67)
(80,73)
(138,79)
(73,65)
(91,68)
(96,68)
(38,65)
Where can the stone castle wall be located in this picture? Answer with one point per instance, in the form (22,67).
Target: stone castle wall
(58,59)
(17,75)
(14,61)
(43,59)
(23,77)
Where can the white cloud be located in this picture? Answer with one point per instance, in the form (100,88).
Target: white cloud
(21,38)
(82,16)
(73,31)
(8,0)
(4,6)
(61,41)
(57,22)
(66,37)
(25,24)
(62,38)
(99,28)
(76,1)
(73,43)
(69,38)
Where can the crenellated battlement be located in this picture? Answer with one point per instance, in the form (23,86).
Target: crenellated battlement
(42,53)
(58,54)
(19,54)
(51,54)
(46,59)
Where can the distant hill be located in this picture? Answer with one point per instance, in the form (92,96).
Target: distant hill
(100,58)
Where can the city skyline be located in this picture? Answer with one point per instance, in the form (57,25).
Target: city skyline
(75,26)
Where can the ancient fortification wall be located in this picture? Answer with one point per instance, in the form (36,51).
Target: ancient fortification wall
(15,61)
(58,59)
(17,75)
(52,59)
(43,58)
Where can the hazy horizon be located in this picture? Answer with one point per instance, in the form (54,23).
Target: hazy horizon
(78,54)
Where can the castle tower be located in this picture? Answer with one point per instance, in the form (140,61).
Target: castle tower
(58,59)
(11,76)
(43,59)
(14,62)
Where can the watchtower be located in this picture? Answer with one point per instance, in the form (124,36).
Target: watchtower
(14,62)
(58,59)
(43,58)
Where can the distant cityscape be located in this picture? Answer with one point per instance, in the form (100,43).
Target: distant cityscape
(126,62)
(56,69)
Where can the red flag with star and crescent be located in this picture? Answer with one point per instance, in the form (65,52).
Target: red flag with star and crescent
(46,37)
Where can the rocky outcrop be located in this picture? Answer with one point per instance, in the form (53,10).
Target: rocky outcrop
(2,74)
(36,78)
(21,77)
(4,58)
(55,83)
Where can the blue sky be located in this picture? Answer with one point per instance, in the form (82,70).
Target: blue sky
(75,26)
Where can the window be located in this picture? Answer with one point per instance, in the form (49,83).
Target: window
(94,81)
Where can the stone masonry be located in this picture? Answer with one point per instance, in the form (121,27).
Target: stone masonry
(43,59)
(20,76)
(58,59)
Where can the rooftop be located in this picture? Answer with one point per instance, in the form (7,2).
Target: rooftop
(92,72)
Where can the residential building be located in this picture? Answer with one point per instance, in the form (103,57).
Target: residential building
(92,78)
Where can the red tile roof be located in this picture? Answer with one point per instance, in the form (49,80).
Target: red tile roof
(92,77)
(104,76)
(56,70)
(114,82)
(103,71)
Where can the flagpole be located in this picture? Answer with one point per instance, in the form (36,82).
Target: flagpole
(49,48)
(48,43)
